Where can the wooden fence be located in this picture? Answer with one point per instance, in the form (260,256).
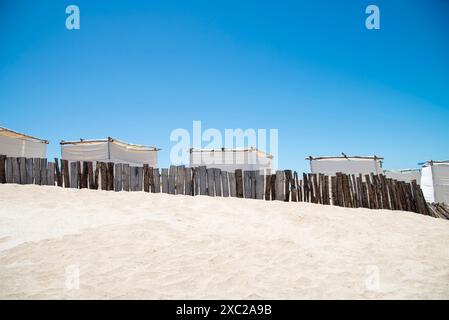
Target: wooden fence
(353,191)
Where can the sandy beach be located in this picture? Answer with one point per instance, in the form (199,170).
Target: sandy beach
(84,244)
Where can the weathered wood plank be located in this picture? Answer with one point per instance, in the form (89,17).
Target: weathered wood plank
(280,185)
(103,175)
(252,175)
(217,180)
(8,170)
(232,186)
(259,178)
(165,188)
(118,176)
(203,180)
(247,184)
(180,179)
(132,178)
(146,178)
(43,171)
(58,174)
(151,179)
(51,173)
(156,180)
(22,170)
(126,177)
(29,171)
(110,176)
(188,181)
(225,183)
(15,170)
(239,183)
(139,186)
(268,187)
(74,175)
(172,180)
(84,175)
(90,175)
(2,168)
(210,182)
(64,171)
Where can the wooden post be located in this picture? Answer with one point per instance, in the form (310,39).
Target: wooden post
(180,179)
(43,171)
(306,187)
(287,180)
(22,170)
(232,184)
(252,177)
(146,178)
(188,181)
(151,179)
(195,181)
(164,180)
(74,175)
(65,172)
(51,173)
(225,183)
(280,185)
(8,170)
(294,187)
(273,186)
(126,176)
(157,180)
(59,181)
(202,175)
(246,184)
(259,185)
(172,180)
(110,176)
(29,171)
(139,172)
(217,179)
(90,174)
(239,183)
(268,187)
(210,182)
(15,170)
(118,174)
(84,176)
(2,168)
(103,175)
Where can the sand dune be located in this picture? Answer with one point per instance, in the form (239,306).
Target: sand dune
(63,243)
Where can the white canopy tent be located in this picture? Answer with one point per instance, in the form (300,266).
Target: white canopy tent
(231,159)
(15,144)
(345,164)
(406,175)
(109,150)
(435,181)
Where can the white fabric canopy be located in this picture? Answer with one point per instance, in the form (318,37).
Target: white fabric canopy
(435,181)
(406,175)
(14,144)
(347,165)
(109,151)
(231,159)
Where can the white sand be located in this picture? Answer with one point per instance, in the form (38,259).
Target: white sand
(140,245)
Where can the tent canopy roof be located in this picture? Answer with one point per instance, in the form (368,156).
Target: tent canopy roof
(432,162)
(17,135)
(403,170)
(251,149)
(345,157)
(136,147)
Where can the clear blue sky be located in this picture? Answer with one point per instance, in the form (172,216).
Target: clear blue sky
(136,70)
